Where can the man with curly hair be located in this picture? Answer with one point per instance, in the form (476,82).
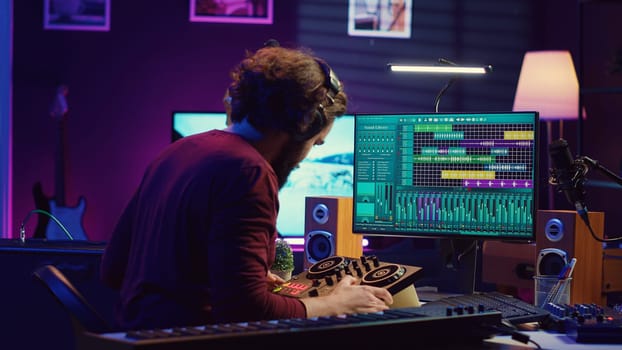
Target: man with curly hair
(197,239)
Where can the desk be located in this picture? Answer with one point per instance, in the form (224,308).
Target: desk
(546,340)
(29,314)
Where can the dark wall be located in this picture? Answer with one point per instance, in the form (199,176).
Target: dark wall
(123,84)
(601,71)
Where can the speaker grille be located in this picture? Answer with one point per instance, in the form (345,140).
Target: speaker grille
(319,245)
(551,261)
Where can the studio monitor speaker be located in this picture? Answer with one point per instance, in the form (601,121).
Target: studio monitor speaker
(508,263)
(328,229)
(562,234)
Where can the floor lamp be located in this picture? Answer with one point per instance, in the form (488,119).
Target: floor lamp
(548,84)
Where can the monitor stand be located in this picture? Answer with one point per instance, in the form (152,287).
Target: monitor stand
(449,265)
(461,258)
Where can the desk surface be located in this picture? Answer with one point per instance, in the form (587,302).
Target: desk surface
(51,246)
(546,340)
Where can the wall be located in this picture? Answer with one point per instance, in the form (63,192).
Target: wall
(6,140)
(124,83)
(602,98)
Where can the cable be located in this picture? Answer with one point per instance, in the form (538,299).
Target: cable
(534,343)
(22,228)
(507,328)
(603,240)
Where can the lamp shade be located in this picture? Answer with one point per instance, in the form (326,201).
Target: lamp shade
(548,84)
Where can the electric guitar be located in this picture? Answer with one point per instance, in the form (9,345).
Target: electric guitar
(69,217)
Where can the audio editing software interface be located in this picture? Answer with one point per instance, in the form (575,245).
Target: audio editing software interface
(446,174)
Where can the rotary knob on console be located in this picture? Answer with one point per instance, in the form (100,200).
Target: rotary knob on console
(375,261)
(359,272)
(365,264)
(338,274)
(329,280)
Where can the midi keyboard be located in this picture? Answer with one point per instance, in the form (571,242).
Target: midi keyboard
(417,325)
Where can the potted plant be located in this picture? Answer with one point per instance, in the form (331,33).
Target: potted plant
(284,260)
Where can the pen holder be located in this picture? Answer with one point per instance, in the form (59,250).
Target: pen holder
(551,289)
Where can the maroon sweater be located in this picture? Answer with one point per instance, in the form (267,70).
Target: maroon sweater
(196,240)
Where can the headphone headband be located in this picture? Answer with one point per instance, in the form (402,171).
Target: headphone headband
(333,87)
(331,81)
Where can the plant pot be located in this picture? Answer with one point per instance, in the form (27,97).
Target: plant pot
(284,274)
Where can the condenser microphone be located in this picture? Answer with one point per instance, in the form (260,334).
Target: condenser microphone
(567,174)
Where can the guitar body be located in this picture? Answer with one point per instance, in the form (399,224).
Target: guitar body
(71,218)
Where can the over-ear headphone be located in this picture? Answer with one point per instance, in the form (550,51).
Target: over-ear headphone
(333,87)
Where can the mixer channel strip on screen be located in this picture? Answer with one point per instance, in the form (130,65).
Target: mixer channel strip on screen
(389,328)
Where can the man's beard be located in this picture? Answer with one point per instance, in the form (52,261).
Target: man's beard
(287,160)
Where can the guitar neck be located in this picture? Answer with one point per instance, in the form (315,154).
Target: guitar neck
(60,165)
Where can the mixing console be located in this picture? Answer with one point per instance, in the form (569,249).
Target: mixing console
(322,276)
(586,323)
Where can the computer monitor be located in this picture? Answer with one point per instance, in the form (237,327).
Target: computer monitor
(326,171)
(446,175)
(188,123)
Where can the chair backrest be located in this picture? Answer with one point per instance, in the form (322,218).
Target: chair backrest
(82,313)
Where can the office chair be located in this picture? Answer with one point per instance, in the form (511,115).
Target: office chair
(83,316)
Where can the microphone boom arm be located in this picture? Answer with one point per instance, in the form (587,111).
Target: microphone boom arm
(594,164)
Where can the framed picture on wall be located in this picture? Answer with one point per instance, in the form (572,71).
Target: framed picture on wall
(380,18)
(232,11)
(76,14)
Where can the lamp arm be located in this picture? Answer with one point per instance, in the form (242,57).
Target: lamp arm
(594,164)
(437,100)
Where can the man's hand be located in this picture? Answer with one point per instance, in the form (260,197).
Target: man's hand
(349,297)
(273,280)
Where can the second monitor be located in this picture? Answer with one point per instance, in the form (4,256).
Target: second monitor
(327,170)
(447,175)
